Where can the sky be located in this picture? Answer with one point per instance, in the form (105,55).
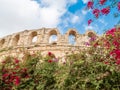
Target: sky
(20,15)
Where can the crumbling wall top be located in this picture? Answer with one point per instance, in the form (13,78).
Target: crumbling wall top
(25,37)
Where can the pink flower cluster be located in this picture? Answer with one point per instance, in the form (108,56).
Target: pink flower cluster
(111,32)
(118,6)
(13,75)
(116,54)
(111,43)
(102,2)
(90,4)
(89,21)
(52,57)
(103,11)
(114,34)
(96,12)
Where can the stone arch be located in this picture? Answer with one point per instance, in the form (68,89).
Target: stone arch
(55,36)
(91,36)
(16,39)
(2,41)
(33,37)
(72,33)
(90,33)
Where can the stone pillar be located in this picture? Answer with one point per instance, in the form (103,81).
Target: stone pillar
(6,41)
(63,40)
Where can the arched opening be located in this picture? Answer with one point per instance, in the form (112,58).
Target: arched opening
(2,42)
(53,37)
(16,40)
(91,34)
(72,40)
(72,37)
(34,37)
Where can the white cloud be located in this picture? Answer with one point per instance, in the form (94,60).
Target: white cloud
(85,1)
(103,22)
(88,28)
(18,15)
(93,27)
(73,1)
(75,19)
(84,12)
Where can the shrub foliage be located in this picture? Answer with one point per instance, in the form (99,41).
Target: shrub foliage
(95,68)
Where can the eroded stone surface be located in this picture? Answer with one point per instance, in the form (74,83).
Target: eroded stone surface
(12,44)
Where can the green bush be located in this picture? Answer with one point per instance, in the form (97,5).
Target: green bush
(95,68)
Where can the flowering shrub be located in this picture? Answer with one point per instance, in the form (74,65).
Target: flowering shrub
(111,44)
(10,71)
(16,74)
(94,68)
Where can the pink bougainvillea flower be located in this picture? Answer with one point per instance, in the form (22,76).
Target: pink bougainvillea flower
(24,70)
(118,62)
(17,81)
(13,73)
(106,62)
(17,67)
(111,32)
(87,43)
(49,53)
(96,12)
(106,44)
(16,60)
(4,70)
(92,39)
(90,4)
(96,44)
(118,6)
(102,2)
(5,75)
(89,21)
(27,76)
(3,62)
(50,61)
(116,43)
(12,78)
(116,54)
(105,11)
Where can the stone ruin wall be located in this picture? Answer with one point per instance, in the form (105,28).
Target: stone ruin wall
(15,43)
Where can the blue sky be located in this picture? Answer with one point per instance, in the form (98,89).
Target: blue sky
(99,25)
(20,15)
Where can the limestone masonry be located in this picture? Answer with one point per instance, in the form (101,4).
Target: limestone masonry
(14,44)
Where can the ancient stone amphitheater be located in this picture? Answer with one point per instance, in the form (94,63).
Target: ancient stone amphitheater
(16,43)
